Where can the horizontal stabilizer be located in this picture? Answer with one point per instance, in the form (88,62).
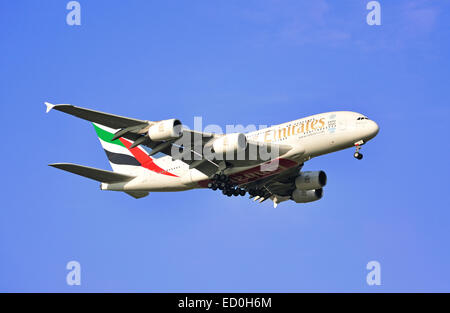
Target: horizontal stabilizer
(93,173)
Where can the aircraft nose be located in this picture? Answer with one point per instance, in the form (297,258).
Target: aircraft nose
(373,128)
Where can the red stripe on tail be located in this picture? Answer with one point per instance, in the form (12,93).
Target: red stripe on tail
(145,160)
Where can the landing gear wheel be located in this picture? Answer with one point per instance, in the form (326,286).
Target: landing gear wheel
(358,155)
(242,192)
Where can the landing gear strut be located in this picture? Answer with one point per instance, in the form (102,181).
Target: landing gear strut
(357,154)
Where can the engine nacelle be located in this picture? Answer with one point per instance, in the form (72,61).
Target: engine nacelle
(165,130)
(304,196)
(311,180)
(230,143)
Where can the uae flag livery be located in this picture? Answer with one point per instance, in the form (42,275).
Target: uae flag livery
(121,157)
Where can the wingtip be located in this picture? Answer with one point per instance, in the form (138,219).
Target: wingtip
(58,165)
(49,106)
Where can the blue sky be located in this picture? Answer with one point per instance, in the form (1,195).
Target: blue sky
(231,62)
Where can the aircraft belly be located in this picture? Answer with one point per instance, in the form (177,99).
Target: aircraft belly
(163,183)
(157,182)
(262,171)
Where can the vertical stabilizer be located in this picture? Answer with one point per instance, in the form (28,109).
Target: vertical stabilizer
(121,159)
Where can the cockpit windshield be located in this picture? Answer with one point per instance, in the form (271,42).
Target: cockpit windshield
(362,118)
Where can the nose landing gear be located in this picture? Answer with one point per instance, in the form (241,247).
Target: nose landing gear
(357,154)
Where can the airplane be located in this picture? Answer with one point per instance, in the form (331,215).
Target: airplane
(266,163)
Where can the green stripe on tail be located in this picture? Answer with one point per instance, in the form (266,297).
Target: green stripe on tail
(107,136)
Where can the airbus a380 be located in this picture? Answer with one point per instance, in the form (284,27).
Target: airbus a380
(266,164)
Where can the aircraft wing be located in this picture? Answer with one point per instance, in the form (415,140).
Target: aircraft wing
(93,173)
(277,188)
(100,176)
(117,122)
(110,120)
(191,142)
(210,166)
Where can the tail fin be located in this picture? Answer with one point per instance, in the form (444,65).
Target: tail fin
(120,157)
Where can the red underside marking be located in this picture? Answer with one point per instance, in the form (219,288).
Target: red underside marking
(144,159)
(255,173)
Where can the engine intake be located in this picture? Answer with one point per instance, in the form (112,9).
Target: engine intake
(304,196)
(165,130)
(230,143)
(311,180)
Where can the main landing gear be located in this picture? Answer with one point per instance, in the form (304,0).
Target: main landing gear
(357,154)
(222,182)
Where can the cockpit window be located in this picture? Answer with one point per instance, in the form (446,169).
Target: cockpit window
(362,118)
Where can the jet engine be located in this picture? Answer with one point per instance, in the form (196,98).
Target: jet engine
(311,180)
(304,196)
(165,130)
(230,143)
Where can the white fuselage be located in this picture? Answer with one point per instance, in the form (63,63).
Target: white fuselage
(310,137)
